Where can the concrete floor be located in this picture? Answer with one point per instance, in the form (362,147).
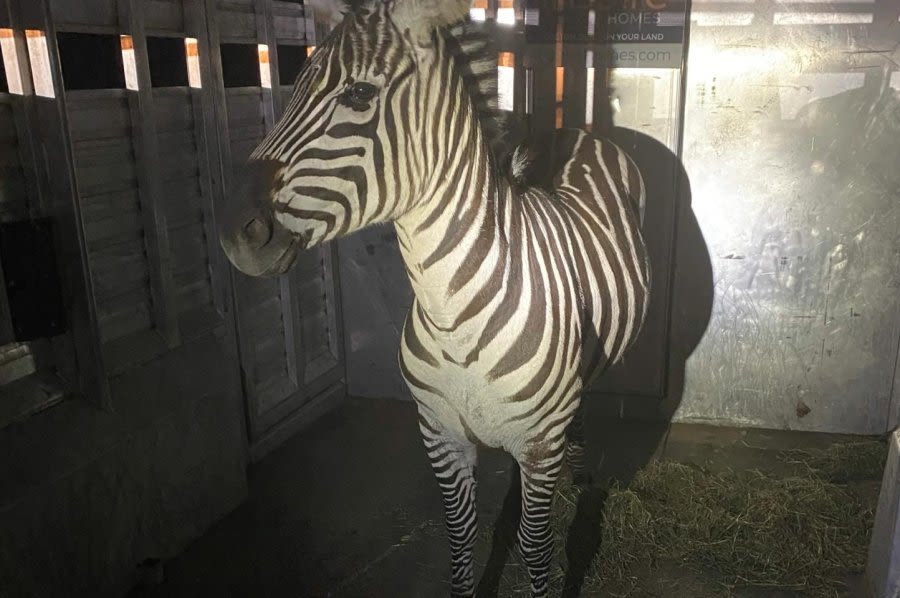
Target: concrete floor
(349,507)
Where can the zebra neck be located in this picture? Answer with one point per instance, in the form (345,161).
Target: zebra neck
(449,241)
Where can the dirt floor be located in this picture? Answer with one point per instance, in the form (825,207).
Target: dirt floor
(349,508)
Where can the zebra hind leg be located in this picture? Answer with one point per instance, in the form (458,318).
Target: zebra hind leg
(576,449)
(535,538)
(454,462)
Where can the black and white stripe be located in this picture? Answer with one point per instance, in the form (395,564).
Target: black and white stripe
(530,275)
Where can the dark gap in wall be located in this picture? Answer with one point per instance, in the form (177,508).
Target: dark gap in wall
(290,60)
(91,61)
(168,63)
(4,86)
(240,65)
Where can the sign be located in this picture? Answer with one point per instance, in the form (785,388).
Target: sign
(640,33)
(645,33)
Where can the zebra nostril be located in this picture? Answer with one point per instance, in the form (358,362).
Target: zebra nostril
(257,231)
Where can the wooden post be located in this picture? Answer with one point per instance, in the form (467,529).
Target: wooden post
(49,122)
(156,232)
(883,568)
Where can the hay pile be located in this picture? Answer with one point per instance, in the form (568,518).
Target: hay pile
(803,532)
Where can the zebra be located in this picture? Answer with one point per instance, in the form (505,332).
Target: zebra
(529,270)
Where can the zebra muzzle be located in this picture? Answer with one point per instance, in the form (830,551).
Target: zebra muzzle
(252,238)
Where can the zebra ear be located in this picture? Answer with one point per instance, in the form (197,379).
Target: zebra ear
(330,12)
(422,17)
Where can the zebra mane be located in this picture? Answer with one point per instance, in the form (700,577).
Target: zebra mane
(469,45)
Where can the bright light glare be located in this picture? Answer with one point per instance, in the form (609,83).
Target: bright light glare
(721,19)
(707,61)
(11,61)
(192,55)
(265,74)
(506,16)
(478,14)
(128,62)
(506,81)
(822,18)
(41,75)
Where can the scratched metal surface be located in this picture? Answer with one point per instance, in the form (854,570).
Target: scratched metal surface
(792,146)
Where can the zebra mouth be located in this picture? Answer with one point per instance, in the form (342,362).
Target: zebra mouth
(287,258)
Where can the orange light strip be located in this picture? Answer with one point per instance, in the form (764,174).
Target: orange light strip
(506,80)
(192,56)
(560,82)
(265,73)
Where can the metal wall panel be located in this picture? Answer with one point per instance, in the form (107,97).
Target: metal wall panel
(164,16)
(791,144)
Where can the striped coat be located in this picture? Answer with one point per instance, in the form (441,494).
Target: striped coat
(530,274)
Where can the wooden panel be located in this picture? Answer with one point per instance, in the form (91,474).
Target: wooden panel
(268,312)
(182,197)
(84,12)
(98,115)
(105,171)
(163,15)
(245,108)
(237,22)
(289,21)
(262,324)
(317,296)
(173,109)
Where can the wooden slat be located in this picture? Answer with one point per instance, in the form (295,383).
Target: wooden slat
(244,109)
(192,296)
(101,116)
(236,23)
(188,248)
(172,111)
(182,210)
(147,153)
(164,16)
(84,12)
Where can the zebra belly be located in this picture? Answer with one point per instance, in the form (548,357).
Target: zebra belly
(473,408)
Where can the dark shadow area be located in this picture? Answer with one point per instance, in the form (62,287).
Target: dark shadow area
(240,65)
(503,538)
(168,63)
(4,83)
(91,60)
(291,59)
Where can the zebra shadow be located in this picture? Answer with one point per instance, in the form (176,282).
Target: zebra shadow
(619,447)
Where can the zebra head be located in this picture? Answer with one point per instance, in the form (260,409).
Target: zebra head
(352,147)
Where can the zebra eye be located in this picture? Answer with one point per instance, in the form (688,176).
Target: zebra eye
(362,91)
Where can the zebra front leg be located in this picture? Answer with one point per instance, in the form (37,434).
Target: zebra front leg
(453,462)
(540,470)
(576,448)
